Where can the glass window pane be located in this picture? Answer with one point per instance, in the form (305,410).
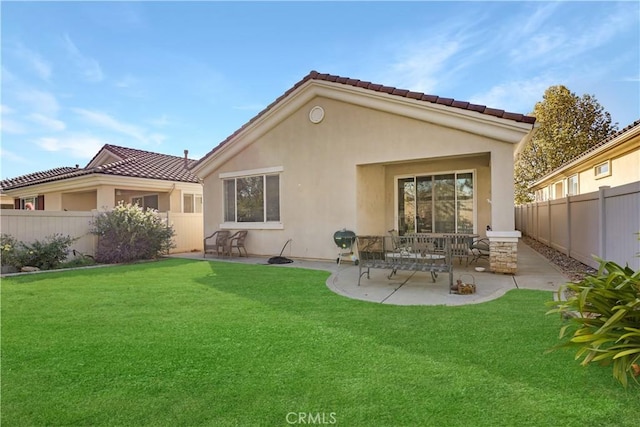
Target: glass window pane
(273,197)
(151,202)
(230,200)
(198,203)
(406,205)
(250,199)
(573,185)
(187,203)
(445,193)
(464,188)
(424,203)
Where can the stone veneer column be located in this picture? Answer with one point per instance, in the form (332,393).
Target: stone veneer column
(503,251)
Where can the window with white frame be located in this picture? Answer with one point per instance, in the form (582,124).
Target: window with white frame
(29,203)
(603,169)
(253,198)
(572,185)
(441,203)
(192,203)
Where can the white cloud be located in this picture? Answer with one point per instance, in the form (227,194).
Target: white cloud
(76,146)
(126,82)
(8,124)
(110,123)
(532,23)
(39,101)
(11,126)
(40,66)
(89,67)
(4,109)
(10,155)
(420,66)
(555,40)
(515,96)
(47,122)
(161,121)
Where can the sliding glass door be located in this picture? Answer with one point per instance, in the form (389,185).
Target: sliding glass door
(442,203)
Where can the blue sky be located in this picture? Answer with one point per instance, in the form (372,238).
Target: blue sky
(169,76)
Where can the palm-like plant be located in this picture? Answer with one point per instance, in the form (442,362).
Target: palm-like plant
(604,313)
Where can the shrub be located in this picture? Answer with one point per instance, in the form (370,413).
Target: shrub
(45,254)
(604,313)
(128,233)
(8,247)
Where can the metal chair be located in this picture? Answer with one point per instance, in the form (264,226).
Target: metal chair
(480,249)
(237,241)
(219,244)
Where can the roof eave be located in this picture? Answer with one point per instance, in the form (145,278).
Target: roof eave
(91,181)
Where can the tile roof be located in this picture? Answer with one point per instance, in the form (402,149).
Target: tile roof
(314,75)
(133,163)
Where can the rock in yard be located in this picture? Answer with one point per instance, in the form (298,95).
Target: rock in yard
(28,269)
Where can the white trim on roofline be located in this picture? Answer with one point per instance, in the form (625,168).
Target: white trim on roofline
(262,171)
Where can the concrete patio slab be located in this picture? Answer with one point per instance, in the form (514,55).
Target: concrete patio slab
(407,288)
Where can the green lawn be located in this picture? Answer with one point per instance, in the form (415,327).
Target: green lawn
(181,342)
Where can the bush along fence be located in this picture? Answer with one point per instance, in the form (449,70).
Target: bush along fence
(47,254)
(29,226)
(126,233)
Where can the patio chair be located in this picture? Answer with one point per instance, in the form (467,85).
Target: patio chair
(480,249)
(219,242)
(237,241)
(460,247)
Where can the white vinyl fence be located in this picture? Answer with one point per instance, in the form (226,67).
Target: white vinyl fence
(28,226)
(604,223)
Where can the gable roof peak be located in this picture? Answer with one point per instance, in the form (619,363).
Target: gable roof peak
(361,84)
(406,93)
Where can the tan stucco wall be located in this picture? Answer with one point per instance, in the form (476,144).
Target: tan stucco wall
(324,186)
(624,170)
(53,201)
(84,201)
(7,202)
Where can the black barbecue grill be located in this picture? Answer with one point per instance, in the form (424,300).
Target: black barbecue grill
(345,239)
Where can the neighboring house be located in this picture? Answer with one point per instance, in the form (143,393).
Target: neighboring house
(334,153)
(6,201)
(613,162)
(115,174)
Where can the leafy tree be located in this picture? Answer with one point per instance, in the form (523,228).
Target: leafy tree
(568,126)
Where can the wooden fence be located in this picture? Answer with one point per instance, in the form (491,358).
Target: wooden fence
(28,226)
(604,223)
